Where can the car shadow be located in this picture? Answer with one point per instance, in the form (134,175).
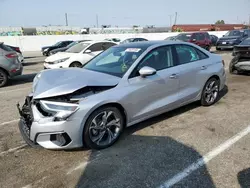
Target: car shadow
(146,161)
(244,178)
(143,161)
(31,63)
(26,78)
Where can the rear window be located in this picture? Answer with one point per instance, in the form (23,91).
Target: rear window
(184,37)
(5,48)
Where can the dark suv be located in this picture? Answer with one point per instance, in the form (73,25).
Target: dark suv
(201,39)
(232,38)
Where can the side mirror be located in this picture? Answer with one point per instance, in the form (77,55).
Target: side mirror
(147,71)
(88,51)
(223,35)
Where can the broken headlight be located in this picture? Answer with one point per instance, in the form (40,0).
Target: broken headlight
(62,110)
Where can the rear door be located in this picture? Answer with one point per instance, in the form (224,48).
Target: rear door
(155,93)
(192,63)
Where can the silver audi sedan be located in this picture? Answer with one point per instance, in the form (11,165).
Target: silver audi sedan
(124,85)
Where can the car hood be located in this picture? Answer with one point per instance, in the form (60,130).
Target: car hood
(58,82)
(229,37)
(58,56)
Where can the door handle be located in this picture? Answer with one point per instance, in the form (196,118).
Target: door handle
(203,68)
(173,76)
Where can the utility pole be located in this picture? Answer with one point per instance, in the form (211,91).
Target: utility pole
(66,19)
(170,20)
(97,21)
(175,20)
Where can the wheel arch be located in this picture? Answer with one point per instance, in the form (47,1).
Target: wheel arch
(1,68)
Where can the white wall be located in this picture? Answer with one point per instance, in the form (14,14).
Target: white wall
(34,43)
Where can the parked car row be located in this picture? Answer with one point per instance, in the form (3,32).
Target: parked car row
(204,40)
(125,84)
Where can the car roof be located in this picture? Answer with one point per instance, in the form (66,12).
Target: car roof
(93,41)
(147,44)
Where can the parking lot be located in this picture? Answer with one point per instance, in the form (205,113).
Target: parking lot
(192,146)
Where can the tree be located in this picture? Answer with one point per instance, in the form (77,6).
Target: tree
(220,22)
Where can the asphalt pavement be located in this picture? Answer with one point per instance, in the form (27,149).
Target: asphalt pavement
(192,146)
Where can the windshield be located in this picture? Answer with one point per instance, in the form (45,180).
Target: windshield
(127,41)
(77,48)
(72,44)
(234,33)
(184,37)
(56,44)
(115,61)
(246,42)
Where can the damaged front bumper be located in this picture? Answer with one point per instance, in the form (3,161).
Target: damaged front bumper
(47,131)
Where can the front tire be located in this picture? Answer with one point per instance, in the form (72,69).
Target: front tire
(3,78)
(103,128)
(76,64)
(210,92)
(218,49)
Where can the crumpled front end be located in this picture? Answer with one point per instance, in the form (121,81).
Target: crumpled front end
(50,124)
(56,122)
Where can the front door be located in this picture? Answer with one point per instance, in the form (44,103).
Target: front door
(156,93)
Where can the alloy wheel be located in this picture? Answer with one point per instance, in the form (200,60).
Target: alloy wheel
(105,128)
(211,92)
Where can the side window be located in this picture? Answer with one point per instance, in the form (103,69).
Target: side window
(96,47)
(107,45)
(201,36)
(160,58)
(195,36)
(186,54)
(201,55)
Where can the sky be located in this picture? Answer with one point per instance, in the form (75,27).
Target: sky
(28,13)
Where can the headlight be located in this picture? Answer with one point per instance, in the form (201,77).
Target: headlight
(62,110)
(61,60)
(45,50)
(35,81)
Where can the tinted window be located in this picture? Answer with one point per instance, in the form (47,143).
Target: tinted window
(160,58)
(184,37)
(207,36)
(5,48)
(107,45)
(202,36)
(77,48)
(246,42)
(96,47)
(234,33)
(195,36)
(186,54)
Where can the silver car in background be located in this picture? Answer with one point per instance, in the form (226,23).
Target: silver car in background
(10,66)
(120,87)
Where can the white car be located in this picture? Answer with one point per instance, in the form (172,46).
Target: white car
(77,55)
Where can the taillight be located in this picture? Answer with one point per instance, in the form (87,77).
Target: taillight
(12,55)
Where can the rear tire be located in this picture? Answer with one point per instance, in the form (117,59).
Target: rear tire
(3,78)
(210,92)
(103,127)
(76,64)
